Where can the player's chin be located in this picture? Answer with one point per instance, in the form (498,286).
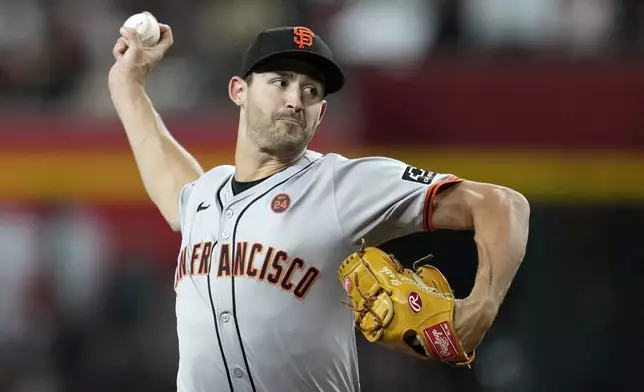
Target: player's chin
(291,134)
(290,143)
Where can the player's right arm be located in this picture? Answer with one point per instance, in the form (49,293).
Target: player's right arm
(164,165)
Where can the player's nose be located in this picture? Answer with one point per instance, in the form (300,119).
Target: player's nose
(294,100)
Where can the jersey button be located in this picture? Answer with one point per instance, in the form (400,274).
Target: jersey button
(237,372)
(225,317)
(229,214)
(225,234)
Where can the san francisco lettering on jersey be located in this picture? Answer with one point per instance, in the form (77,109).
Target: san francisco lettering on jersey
(254,261)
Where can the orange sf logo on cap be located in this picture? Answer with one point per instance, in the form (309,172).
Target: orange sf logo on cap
(303,36)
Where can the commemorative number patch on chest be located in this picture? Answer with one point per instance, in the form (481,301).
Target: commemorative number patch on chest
(280,203)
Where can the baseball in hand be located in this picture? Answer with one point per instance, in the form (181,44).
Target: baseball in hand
(147,27)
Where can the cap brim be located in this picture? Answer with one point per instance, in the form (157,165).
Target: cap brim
(333,75)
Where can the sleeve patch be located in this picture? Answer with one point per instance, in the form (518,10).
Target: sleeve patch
(414,174)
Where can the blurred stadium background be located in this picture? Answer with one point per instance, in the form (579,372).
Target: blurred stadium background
(545,96)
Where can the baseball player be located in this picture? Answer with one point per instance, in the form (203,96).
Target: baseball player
(258,302)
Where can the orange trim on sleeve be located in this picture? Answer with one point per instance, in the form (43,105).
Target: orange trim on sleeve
(428,208)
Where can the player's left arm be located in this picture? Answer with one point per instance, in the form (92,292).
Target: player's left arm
(499,217)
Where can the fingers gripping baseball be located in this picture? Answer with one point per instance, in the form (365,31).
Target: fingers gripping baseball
(166,37)
(119,48)
(134,60)
(132,39)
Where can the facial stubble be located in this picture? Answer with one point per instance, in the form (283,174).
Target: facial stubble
(277,137)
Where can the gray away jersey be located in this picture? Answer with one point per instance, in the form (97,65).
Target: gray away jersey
(258,301)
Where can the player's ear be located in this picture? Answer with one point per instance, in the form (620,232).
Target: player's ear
(322,111)
(237,88)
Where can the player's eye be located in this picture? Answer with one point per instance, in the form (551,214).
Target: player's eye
(281,83)
(312,91)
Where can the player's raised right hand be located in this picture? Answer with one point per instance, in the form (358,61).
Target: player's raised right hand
(134,62)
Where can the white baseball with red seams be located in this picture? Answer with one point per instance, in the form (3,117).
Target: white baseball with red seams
(259,307)
(147,26)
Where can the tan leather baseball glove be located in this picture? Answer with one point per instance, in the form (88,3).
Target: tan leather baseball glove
(410,311)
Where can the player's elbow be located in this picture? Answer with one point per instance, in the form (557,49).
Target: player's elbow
(518,204)
(508,201)
(522,205)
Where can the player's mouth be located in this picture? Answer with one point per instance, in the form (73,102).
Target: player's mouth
(290,120)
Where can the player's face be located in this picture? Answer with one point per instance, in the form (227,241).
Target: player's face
(283,109)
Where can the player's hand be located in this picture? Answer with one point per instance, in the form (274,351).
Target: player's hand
(135,62)
(473,317)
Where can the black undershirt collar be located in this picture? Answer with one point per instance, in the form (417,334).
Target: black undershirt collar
(239,187)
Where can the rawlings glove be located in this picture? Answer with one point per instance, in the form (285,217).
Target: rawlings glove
(410,311)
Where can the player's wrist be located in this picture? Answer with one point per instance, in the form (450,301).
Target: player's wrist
(126,90)
(125,82)
(480,304)
(473,316)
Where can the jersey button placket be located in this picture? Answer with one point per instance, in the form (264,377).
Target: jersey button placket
(224,295)
(237,372)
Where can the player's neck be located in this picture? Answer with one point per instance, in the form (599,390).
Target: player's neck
(252,164)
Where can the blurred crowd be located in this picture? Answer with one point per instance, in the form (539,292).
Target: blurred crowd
(55,54)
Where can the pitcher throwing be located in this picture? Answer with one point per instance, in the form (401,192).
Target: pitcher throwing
(258,301)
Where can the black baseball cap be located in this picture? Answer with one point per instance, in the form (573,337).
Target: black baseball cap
(295,42)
